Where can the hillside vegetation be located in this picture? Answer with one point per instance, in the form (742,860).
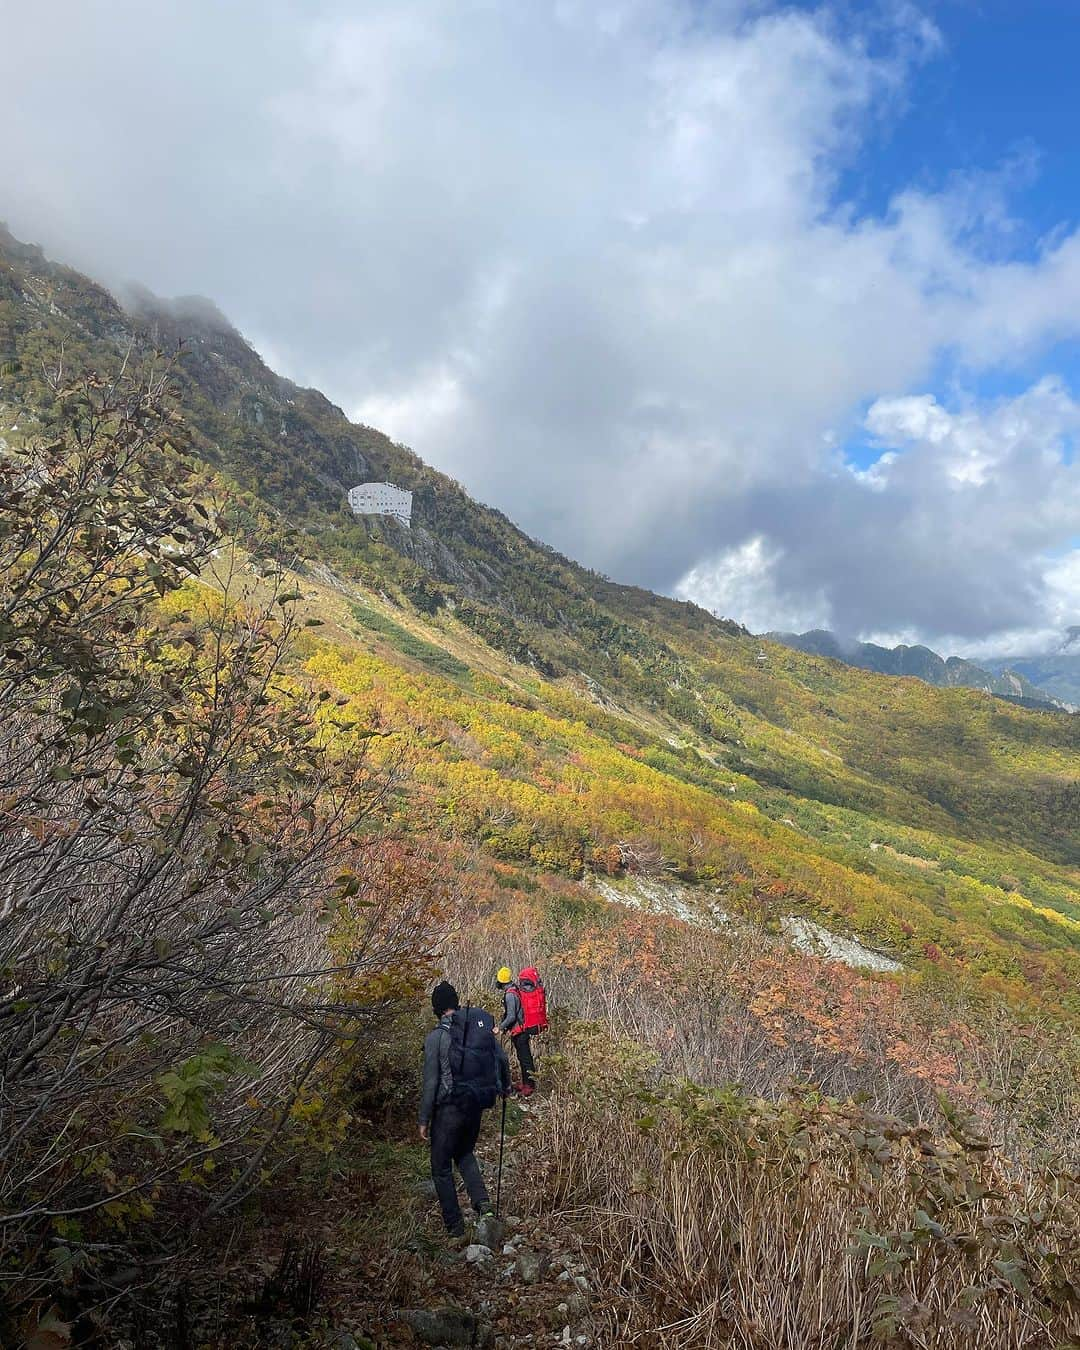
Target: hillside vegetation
(268,768)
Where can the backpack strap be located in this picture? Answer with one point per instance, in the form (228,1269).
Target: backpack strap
(447,1044)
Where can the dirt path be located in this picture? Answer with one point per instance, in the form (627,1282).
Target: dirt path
(361,1262)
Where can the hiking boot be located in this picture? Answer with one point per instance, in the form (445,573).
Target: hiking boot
(458,1230)
(527,1089)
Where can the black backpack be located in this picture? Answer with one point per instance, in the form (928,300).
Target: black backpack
(474,1057)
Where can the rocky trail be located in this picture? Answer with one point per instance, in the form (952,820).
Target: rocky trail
(369,1267)
(511,1281)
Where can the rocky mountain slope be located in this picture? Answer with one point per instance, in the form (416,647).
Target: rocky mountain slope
(1056,674)
(295,452)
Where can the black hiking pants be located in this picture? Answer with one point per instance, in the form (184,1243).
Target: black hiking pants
(523,1046)
(454,1131)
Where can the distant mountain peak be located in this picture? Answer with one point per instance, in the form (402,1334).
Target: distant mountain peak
(922,663)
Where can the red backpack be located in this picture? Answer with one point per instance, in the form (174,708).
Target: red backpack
(530,989)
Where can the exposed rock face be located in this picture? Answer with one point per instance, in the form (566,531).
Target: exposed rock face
(429,552)
(810,937)
(696,907)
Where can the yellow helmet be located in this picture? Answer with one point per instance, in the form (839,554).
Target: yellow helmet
(505,975)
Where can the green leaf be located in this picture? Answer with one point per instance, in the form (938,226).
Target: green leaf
(1016,1276)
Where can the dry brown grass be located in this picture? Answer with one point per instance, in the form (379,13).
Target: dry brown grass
(720,1220)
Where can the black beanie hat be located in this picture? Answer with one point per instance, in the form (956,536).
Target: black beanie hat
(443,998)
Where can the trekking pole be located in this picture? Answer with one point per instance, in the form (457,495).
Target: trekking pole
(502,1140)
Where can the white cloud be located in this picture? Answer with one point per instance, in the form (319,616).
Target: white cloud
(743,581)
(1059,610)
(590,259)
(978,445)
(966,526)
(915,418)
(413,413)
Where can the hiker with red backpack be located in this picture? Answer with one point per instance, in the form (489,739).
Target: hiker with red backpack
(524,1016)
(465,1071)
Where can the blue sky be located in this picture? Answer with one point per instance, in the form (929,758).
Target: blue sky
(998,98)
(1002,87)
(771,306)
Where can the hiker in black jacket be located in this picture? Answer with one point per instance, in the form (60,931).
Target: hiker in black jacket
(451,1108)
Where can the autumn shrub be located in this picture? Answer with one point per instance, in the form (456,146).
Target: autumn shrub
(538,787)
(716,1218)
(200,913)
(732,1002)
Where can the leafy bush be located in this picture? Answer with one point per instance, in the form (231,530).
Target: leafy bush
(191,923)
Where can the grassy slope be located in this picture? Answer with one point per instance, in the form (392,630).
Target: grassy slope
(538,774)
(552,713)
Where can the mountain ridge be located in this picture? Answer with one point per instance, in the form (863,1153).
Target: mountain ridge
(296,452)
(788,723)
(1056,674)
(1003,678)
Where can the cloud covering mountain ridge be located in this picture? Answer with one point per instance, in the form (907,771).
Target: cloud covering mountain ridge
(602,264)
